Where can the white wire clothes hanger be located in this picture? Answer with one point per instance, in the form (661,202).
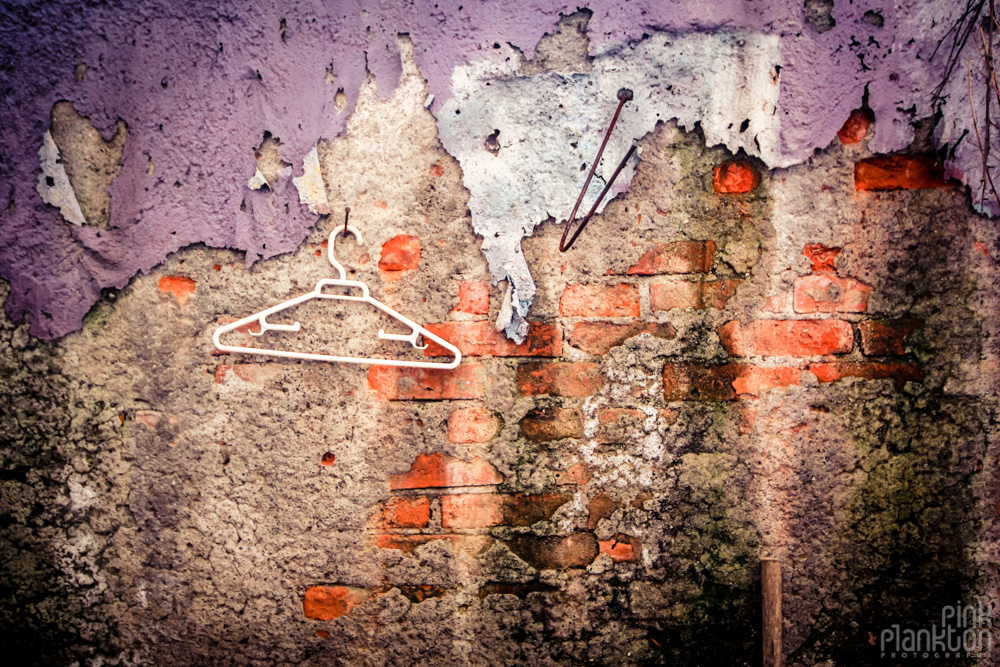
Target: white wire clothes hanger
(317,293)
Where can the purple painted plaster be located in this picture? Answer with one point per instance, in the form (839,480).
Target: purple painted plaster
(199,83)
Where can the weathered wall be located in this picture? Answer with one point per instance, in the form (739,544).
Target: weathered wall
(733,362)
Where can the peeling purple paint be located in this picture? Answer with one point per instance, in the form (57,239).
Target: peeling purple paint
(199,83)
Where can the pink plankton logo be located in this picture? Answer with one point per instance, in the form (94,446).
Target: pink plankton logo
(965,631)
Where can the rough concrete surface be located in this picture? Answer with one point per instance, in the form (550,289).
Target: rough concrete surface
(601,495)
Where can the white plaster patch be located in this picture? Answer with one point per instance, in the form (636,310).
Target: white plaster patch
(549,127)
(60,193)
(312,191)
(257,181)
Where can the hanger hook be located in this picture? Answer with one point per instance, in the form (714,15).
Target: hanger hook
(337,231)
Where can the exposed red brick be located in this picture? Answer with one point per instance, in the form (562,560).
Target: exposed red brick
(439,470)
(552,423)
(697,382)
(400,253)
(777,303)
(754,380)
(787,338)
(394,383)
(680,293)
(735,177)
(601,507)
(481,339)
(886,338)
(856,127)
(900,373)
(328,459)
(325,603)
(827,293)
(578,474)
(436,170)
(559,378)
(468,544)
(622,549)
(220,372)
(555,553)
(473,298)
(821,257)
(484,510)
(898,172)
(400,512)
(473,425)
(599,337)
(181,287)
(600,301)
(322,634)
(627,425)
(677,257)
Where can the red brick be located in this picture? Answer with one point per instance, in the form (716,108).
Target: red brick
(325,603)
(599,337)
(677,257)
(627,425)
(400,512)
(827,293)
(886,338)
(395,383)
(754,380)
(473,298)
(900,373)
(468,544)
(622,549)
(856,127)
(473,425)
(898,172)
(601,507)
(600,301)
(697,382)
(680,293)
(484,510)
(400,253)
(439,470)
(777,303)
(787,338)
(552,423)
(181,287)
(328,459)
(821,257)
(559,378)
(578,474)
(735,177)
(555,552)
(481,339)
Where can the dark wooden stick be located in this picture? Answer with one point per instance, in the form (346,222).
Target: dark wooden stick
(770,584)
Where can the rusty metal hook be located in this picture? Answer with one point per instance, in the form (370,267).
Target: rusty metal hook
(624,95)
